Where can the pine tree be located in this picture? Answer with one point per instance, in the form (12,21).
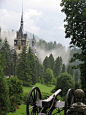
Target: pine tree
(46,63)
(32,65)
(4,91)
(23,69)
(37,67)
(41,70)
(70,70)
(8,69)
(58,66)
(51,61)
(63,68)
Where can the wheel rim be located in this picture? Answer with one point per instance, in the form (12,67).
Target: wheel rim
(34,95)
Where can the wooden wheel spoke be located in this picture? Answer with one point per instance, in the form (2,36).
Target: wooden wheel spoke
(31,96)
(32,108)
(36,94)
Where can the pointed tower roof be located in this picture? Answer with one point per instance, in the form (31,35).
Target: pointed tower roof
(21,26)
(22,13)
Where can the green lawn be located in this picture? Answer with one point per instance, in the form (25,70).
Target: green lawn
(20,111)
(43,88)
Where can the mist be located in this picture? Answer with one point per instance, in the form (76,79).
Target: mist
(10,35)
(41,52)
(61,52)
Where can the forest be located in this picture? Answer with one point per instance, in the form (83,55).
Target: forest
(28,69)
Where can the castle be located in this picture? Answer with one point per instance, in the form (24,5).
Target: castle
(22,39)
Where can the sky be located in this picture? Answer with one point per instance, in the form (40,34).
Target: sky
(41,17)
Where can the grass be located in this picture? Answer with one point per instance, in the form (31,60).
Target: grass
(22,108)
(43,88)
(20,111)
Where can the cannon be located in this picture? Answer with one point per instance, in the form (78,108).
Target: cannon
(52,106)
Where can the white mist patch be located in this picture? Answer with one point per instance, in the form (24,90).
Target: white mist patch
(65,54)
(10,35)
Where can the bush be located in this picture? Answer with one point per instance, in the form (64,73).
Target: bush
(4,96)
(64,81)
(45,95)
(15,92)
(25,97)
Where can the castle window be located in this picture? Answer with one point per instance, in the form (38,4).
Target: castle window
(18,42)
(19,47)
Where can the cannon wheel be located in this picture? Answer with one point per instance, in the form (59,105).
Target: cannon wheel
(34,95)
(69,100)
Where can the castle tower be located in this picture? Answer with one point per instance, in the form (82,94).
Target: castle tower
(33,45)
(21,38)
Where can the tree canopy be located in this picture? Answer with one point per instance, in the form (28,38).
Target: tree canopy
(75,28)
(64,81)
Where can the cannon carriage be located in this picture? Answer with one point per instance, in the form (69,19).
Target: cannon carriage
(52,106)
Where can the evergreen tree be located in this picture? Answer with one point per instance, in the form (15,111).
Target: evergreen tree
(4,91)
(58,66)
(70,70)
(32,71)
(63,68)
(51,61)
(41,70)
(37,67)
(8,69)
(23,70)
(46,62)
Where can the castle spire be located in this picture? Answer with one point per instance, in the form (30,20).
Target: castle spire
(22,17)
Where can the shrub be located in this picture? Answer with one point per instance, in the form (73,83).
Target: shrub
(45,95)
(25,97)
(15,91)
(64,81)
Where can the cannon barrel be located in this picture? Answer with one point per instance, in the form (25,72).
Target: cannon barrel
(51,97)
(47,102)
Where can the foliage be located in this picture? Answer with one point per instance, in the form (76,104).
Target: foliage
(41,71)
(64,81)
(48,75)
(15,91)
(77,76)
(8,68)
(31,71)
(46,63)
(45,95)
(4,91)
(70,70)
(58,66)
(51,61)
(23,70)
(42,80)
(25,97)
(63,68)
(75,28)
